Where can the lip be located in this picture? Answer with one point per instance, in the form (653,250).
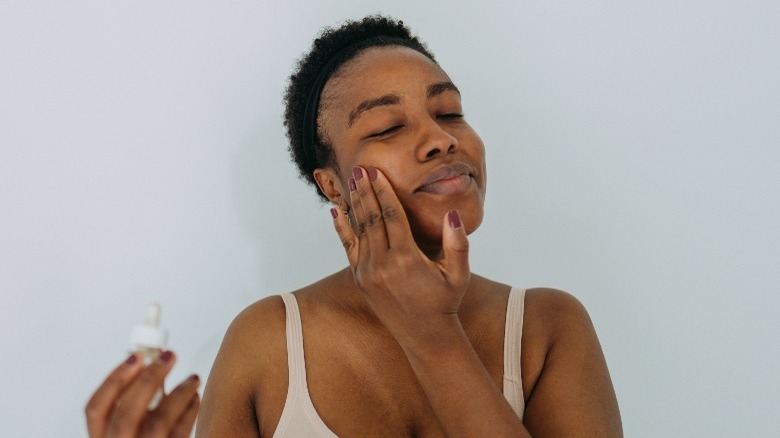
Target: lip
(444,174)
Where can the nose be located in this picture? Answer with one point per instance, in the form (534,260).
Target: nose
(434,141)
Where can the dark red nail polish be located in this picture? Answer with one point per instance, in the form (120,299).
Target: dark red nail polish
(372,174)
(131,360)
(352,185)
(334,213)
(357,173)
(166,356)
(194,378)
(454,219)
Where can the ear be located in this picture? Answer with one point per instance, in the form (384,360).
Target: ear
(330,184)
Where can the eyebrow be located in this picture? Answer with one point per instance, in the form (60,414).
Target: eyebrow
(394,99)
(388,99)
(440,87)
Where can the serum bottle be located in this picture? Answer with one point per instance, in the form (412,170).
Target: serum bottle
(148,341)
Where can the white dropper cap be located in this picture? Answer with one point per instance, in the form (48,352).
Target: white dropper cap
(149,334)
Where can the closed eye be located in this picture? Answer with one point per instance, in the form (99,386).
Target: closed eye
(386,131)
(450,116)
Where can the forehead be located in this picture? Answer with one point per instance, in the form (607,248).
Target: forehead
(378,71)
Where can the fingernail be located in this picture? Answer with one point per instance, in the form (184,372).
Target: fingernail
(194,378)
(454,219)
(334,213)
(131,360)
(352,185)
(166,356)
(357,173)
(372,174)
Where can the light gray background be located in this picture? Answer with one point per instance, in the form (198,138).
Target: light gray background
(633,160)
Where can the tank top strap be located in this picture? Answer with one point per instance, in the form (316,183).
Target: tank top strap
(513,335)
(295,365)
(295,359)
(299,417)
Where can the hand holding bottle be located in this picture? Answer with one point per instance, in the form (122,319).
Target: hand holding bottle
(120,406)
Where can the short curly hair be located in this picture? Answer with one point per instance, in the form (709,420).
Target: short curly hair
(332,49)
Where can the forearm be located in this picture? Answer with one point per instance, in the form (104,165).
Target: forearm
(459,388)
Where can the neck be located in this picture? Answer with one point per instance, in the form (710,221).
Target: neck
(346,293)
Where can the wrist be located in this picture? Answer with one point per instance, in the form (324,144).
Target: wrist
(433,336)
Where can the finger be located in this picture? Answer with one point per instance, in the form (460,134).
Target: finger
(455,244)
(187,420)
(359,224)
(372,220)
(165,418)
(346,234)
(102,402)
(134,402)
(356,202)
(397,227)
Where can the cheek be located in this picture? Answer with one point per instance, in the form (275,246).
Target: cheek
(394,167)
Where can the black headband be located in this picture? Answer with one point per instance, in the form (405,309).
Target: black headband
(309,127)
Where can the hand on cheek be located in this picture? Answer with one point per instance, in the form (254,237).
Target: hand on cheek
(412,295)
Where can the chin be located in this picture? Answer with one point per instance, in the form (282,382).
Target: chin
(472,220)
(427,227)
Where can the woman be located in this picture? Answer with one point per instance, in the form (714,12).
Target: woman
(406,340)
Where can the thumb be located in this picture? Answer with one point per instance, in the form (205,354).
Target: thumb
(455,245)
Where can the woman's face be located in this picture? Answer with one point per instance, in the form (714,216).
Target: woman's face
(394,109)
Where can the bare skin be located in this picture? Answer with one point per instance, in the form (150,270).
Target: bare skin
(407,341)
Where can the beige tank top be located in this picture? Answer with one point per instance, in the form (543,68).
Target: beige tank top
(300,419)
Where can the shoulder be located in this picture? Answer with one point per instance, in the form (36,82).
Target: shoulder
(552,297)
(556,309)
(573,368)
(251,361)
(261,321)
(557,320)
(254,339)
(255,342)
(547,314)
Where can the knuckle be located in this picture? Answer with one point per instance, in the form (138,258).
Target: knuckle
(372,219)
(390,212)
(361,228)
